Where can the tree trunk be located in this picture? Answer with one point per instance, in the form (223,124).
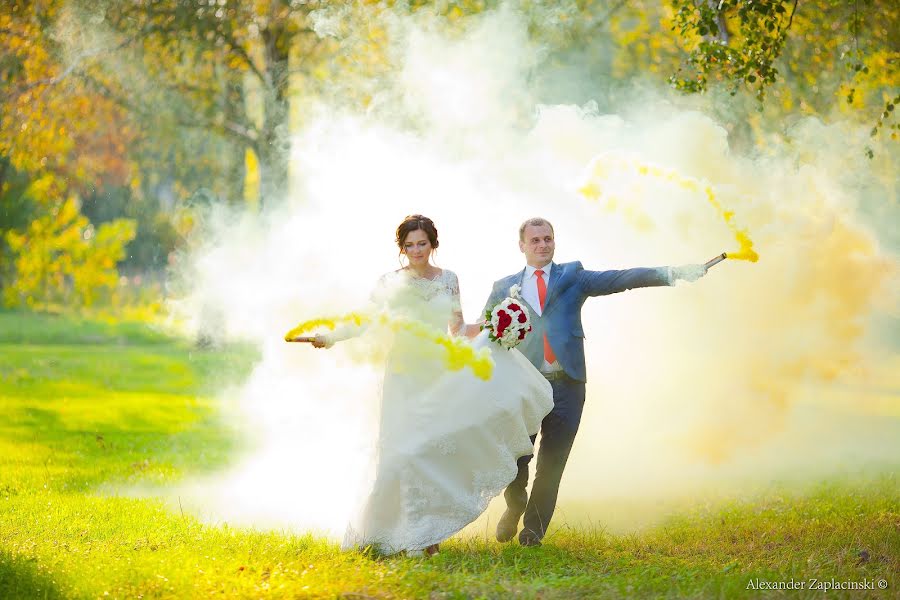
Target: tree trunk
(273,173)
(275,142)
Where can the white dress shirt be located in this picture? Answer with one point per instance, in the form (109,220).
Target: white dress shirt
(530,295)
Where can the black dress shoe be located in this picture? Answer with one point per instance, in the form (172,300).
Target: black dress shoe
(529,538)
(507,526)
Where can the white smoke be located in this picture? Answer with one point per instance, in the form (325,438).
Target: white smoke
(758,371)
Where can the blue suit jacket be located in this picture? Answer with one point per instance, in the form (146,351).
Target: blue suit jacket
(570,285)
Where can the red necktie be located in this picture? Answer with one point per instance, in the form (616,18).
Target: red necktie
(542,296)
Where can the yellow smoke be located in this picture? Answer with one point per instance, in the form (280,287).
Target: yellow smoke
(599,171)
(458,352)
(331,323)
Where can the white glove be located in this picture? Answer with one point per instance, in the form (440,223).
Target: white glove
(688,272)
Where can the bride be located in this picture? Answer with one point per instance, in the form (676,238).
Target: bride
(448,441)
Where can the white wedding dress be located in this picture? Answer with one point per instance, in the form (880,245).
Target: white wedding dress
(448,441)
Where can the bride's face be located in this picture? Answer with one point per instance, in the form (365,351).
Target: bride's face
(417,248)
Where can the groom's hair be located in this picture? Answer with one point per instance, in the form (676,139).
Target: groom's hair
(534,222)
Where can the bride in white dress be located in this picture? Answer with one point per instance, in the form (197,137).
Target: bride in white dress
(448,441)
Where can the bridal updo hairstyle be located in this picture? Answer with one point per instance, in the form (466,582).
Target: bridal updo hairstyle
(414,222)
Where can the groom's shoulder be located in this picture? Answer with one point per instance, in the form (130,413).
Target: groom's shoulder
(510,277)
(570,267)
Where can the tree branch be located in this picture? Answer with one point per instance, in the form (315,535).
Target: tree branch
(241,132)
(613,10)
(8,31)
(791,19)
(73,67)
(245,57)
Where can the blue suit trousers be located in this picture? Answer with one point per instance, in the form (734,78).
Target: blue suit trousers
(558,431)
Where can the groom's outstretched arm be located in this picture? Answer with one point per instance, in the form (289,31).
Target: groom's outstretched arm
(601,283)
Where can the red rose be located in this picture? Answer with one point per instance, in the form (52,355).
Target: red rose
(515,307)
(522,334)
(503,321)
(522,317)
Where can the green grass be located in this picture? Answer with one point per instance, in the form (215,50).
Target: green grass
(88,406)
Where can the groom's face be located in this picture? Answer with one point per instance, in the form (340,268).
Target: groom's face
(537,245)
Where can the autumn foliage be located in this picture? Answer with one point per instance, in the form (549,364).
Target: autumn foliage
(116,117)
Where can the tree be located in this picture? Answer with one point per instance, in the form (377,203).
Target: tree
(51,123)
(754,43)
(197,60)
(62,258)
(58,139)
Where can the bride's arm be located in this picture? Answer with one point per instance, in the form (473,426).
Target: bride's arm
(352,330)
(458,325)
(339,334)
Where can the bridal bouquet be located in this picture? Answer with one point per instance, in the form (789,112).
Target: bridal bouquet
(508,322)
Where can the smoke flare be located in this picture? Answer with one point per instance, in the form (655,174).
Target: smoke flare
(600,169)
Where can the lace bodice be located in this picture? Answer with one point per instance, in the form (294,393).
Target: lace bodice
(433,301)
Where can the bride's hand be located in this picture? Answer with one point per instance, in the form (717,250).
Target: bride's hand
(320,342)
(473,329)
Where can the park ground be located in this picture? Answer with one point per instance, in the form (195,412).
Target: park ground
(90,406)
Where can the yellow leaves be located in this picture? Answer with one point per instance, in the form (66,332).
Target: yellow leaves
(642,35)
(60,257)
(42,188)
(787,99)
(321,72)
(235,63)
(47,112)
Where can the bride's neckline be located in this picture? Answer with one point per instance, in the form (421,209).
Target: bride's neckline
(411,274)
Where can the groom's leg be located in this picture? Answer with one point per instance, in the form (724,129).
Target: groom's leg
(515,494)
(557,435)
(516,500)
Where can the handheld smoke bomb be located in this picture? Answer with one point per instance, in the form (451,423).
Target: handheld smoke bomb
(716,260)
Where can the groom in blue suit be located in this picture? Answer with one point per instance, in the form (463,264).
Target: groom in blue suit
(555,294)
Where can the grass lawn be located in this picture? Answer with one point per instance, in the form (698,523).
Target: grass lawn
(88,404)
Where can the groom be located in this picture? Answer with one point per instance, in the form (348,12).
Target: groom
(555,294)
